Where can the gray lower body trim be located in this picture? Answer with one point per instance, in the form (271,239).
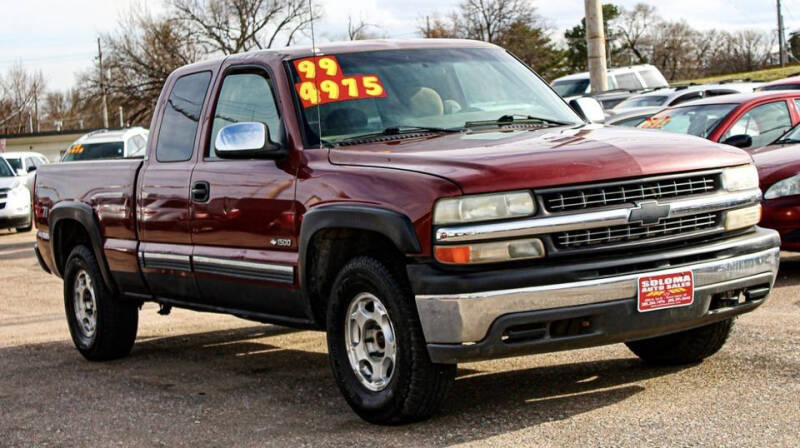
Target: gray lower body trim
(155,260)
(460,318)
(268,272)
(244,269)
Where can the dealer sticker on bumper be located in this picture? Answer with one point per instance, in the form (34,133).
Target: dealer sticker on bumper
(672,290)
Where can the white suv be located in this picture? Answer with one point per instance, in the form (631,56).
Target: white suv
(106,144)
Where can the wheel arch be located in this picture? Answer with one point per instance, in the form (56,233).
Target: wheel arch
(385,231)
(76,220)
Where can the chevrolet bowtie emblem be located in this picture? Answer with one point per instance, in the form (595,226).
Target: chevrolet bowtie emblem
(648,212)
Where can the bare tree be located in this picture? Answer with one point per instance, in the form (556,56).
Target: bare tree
(234,26)
(437,27)
(634,27)
(21,92)
(361,30)
(673,47)
(139,57)
(486,19)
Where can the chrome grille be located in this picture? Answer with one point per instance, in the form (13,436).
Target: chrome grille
(593,196)
(621,234)
(3,193)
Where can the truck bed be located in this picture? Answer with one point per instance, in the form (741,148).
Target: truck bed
(109,188)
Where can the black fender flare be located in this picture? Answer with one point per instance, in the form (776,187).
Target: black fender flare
(395,226)
(84,215)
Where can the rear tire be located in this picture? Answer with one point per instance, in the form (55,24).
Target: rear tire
(373,327)
(102,326)
(686,347)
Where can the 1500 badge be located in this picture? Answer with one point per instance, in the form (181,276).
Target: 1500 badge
(280,242)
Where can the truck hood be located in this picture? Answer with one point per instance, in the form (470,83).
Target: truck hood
(497,160)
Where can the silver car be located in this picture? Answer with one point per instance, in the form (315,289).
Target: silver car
(15,200)
(672,96)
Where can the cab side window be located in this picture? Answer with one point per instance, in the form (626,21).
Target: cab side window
(764,123)
(245,97)
(181,117)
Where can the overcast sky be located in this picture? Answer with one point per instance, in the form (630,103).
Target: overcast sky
(59,37)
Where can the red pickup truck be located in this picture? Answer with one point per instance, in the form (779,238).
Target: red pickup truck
(425,202)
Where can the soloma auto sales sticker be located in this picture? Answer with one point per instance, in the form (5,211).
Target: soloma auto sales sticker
(672,290)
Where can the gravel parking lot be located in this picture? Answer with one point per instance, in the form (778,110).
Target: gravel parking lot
(203,379)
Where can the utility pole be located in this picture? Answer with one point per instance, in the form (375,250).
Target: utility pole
(596,45)
(102,84)
(121,121)
(781,38)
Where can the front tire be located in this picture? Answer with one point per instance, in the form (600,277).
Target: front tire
(102,326)
(685,347)
(377,350)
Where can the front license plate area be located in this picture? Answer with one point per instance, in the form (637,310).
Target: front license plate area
(658,292)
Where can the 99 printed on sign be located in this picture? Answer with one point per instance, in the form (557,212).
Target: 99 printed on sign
(322,81)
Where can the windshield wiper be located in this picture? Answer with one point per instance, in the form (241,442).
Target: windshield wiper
(515,119)
(786,141)
(400,130)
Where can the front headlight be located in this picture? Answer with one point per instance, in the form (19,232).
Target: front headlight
(18,190)
(738,178)
(483,207)
(786,187)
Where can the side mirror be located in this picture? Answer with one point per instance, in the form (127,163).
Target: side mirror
(247,140)
(32,168)
(739,141)
(21,172)
(588,108)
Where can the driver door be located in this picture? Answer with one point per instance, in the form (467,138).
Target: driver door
(243,227)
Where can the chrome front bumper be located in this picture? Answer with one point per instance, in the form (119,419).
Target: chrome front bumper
(466,317)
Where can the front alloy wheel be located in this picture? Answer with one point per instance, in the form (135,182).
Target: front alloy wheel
(377,350)
(370,341)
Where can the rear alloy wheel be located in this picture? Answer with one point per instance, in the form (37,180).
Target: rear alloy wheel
(102,326)
(376,346)
(84,305)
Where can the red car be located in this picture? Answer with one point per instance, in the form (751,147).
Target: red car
(779,171)
(748,120)
(790,83)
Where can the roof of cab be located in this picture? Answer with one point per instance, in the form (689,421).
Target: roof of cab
(342,47)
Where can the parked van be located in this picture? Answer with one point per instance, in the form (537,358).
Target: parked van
(635,77)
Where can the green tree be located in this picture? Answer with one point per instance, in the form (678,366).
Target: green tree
(577,56)
(534,47)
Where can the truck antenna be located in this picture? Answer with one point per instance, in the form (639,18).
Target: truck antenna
(316,86)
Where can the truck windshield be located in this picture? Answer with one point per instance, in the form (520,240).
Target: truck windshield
(693,120)
(16,163)
(93,151)
(5,169)
(358,94)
